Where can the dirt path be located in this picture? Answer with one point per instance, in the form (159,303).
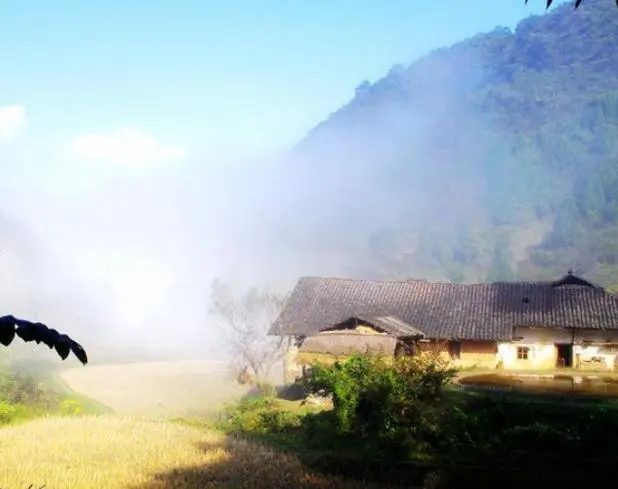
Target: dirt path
(170,389)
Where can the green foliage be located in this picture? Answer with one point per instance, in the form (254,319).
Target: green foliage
(26,389)
(10,413)
(487,439)
(258,416)
(398,403)
(399,421)
(27,395)
(278,420)
(71,407)
(523,151)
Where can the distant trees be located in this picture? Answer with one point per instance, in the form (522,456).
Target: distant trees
(244,320)
(577,3)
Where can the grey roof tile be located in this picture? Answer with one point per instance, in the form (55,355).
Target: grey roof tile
(446,310)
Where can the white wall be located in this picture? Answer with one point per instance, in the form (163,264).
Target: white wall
(539,356)
(541,342)
(541,335)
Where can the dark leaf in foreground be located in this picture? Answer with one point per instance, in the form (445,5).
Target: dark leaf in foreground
(7,330)
(577,3)
(28,331)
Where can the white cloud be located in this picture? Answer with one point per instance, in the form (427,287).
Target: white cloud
(13,120)
(126,147)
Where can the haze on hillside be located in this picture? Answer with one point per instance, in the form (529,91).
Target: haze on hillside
(491,159)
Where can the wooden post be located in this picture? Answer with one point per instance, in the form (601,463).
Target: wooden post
(573,359)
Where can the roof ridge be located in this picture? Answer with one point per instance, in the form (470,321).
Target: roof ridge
(364,280)
(425,282)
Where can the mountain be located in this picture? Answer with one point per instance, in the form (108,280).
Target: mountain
(492,159)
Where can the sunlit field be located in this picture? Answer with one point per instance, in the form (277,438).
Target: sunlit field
(135,453)
(139,447)
(169,389)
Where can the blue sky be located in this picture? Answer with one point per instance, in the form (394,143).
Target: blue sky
(215,75)
(107,109)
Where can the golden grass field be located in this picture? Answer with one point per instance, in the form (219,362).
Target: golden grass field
(138,447)
(171,389)
(114,452)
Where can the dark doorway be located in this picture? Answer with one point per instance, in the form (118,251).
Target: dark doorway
(454,349)
(565,355)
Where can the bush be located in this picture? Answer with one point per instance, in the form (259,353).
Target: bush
(399,411)
(278,420)
(12,412)
(25,389)
(25,396)
(71,407)
(258,416)
(395,403)
(485,441)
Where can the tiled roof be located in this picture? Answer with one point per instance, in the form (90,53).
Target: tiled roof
(446,310)
(392,325)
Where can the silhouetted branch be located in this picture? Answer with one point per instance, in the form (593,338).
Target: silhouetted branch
(548,3)
(28,331)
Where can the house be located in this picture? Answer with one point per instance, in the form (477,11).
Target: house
(568,322)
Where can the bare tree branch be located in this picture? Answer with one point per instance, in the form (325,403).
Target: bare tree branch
(244,319)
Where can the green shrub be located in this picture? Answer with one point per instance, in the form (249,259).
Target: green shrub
(71,407)
(278,420)
(27,395)
(485,441)
(397,403)
(12,412)
(26,389)
(401,411)
(258,416)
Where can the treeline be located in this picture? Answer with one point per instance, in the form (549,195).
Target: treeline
(492,159)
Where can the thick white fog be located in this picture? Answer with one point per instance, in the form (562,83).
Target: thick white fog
(114,234)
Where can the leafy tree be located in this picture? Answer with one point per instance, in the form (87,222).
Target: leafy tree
(245,319)
(396,403)
(509,133)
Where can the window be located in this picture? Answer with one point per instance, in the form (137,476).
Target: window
(455,350)
(522,352)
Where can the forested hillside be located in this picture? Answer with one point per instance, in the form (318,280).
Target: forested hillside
(493,159)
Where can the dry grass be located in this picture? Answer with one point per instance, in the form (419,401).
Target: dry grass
(138,447)
(168,389)
(113,452)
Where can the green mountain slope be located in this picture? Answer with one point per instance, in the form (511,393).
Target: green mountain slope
(492,159)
